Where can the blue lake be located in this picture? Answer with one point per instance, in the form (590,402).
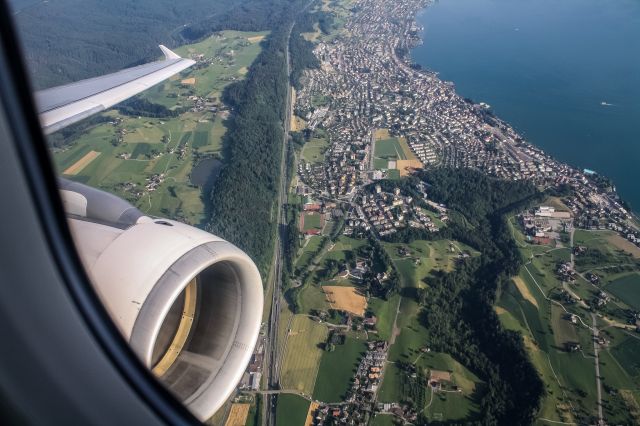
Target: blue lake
(564,73)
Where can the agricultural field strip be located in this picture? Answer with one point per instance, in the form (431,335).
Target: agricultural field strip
(285,358)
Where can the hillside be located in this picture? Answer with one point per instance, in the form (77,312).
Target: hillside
(68,40)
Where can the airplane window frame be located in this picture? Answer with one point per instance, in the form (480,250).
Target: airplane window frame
(36,165)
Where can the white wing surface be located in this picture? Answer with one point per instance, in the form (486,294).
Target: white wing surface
(61,106)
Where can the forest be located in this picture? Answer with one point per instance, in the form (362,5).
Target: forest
(458,306)
(138,106)
(69,40)
(243,199)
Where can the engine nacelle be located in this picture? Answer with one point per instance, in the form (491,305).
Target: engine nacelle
(189,303)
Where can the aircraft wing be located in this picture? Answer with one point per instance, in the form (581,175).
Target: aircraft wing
(58,107)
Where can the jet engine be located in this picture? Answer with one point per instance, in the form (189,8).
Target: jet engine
(188,302)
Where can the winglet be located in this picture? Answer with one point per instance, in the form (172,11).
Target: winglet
(168,54)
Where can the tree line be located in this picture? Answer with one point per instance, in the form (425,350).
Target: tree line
(242,201)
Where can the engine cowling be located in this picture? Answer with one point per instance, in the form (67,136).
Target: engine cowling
(189,303)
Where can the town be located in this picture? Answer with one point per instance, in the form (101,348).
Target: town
(367,83)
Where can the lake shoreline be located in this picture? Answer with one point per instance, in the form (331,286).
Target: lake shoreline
(572,142)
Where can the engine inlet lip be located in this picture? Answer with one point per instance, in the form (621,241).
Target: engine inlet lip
(166,291)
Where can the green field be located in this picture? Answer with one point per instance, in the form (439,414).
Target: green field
(337,369)
(308,251)
(600,243)
(313,151)
(313,298)
(200,138)
(389,149)
(302,354)
(385,311)
(628,355)
(627,289)
(383,420)
(451,407)
(292,410)
(408,348)
(142,153)
(391,389)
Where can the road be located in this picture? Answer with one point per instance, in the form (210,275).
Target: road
(272,349)
(596,346)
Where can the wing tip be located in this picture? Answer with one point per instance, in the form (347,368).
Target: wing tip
(169,54)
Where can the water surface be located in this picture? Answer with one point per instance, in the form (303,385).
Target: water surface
(565,73)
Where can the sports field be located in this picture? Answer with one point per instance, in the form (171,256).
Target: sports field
(347,299)
(394,153)
(302,354)
(407,166)
(380,134)
(389,149)
(311,220)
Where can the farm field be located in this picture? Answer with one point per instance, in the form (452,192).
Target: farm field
(121,156)
(292,410)
(311,413)
(627,354)
(337,369)
(627,289)
(81,163)
(609,248)
(254,415)
(302,354)
(391,389)
(237,415)
(346,299)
